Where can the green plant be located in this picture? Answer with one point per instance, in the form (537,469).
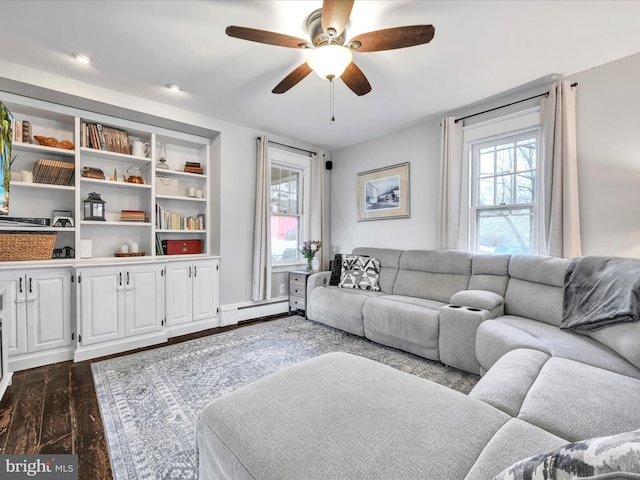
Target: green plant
(5,156)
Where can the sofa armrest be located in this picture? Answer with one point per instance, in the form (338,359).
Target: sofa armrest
(482,299)
(319,279)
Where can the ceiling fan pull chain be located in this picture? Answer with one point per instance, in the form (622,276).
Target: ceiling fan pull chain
(331,102)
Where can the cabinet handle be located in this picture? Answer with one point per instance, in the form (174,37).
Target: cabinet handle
(195,270)
(120,281)
(189,272)
(30,285)
(127,278)
(20,284)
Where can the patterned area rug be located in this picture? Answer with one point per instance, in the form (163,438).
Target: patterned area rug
(150,400)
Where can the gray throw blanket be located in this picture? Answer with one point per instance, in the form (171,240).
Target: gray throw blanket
(600,291)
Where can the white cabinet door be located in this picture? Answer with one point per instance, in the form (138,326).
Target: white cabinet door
(48,300)
(16,328)
(101,304)
(178,292)
(205,289)
(143,299)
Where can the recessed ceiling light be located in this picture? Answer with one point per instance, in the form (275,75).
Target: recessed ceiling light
(82,58)
(173,87)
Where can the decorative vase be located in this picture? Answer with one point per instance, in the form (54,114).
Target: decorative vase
(309,264)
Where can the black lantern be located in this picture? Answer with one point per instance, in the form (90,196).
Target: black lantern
(94,207)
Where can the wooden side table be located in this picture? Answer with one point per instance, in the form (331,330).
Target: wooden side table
(298,290)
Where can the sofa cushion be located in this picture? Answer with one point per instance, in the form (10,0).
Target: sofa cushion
(389,264)
(343,416)
(623,338)
(490,272)
(496,337)
(506,385)
(576,401)
(514,441)
(338,307)
(360,272)
(435,274)
(406,323)
(535,287)
(612,457)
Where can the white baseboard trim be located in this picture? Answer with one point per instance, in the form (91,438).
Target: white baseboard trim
(232,314)
(38,359)
(192,327)
(117,346)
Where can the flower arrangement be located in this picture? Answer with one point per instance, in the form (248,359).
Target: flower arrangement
(308,250)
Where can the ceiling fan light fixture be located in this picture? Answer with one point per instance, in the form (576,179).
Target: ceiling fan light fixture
(329,61)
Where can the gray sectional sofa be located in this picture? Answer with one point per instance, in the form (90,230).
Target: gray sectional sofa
(542,387)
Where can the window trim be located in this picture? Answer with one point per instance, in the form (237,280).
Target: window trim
(302,163)
(512,125)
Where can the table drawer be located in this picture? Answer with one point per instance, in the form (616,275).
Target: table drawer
(296,289)
(297,303)
(298,279)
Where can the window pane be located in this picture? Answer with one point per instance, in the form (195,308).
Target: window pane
(507,230)
(486,189)
(285,185)
(284,237)
(487,166)
(504,159)
(526,154)
(524,186)
(504,189)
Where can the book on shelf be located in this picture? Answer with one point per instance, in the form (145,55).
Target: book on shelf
(101,137)
(53,172)
(93,172)
(192,167)
(17,131)
(26,132)
(133,216)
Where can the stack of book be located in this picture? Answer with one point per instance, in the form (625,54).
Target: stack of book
(53,172)
(193,167)
(21,131)
(133,216)
(96,135)
(167,220)
(93,172)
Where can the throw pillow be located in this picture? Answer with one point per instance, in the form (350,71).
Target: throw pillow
(360,272)
(614,457)
(336,270)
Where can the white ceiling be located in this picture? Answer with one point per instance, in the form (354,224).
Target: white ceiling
(480,49)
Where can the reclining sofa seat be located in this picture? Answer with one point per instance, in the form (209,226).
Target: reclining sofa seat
(409,319)
(342,308)
(533,313)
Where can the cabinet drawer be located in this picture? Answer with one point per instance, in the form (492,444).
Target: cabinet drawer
(297,279)
(296,290)
(297,303)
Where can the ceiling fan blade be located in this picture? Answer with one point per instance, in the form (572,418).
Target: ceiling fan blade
(264,36)
(293,78)
(355,80)
(335,14)
(392,38)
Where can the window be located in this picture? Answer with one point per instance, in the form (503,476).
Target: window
(289,204)
(504,186)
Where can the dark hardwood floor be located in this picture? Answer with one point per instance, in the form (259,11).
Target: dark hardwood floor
(54,410)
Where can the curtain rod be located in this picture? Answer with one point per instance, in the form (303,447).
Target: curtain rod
(288,146)
(546,94)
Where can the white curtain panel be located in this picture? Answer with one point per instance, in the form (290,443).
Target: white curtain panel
(318,214)
(560,211)
(261,275)
(452,202)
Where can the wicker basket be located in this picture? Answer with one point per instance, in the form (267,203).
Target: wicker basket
(26,246)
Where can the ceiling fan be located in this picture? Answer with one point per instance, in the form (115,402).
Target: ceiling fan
(330,54)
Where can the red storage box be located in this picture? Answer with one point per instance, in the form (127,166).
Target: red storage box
(181,247)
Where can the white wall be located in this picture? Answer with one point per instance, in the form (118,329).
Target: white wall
(608,106)
(420,146)
(608,102)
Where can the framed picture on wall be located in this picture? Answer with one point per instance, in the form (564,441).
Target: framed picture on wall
(384,193)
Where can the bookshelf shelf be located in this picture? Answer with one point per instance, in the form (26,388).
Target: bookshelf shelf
(113,184)
(181,198)
(42,185)
(41,149)
(115,224)
(169,230)
(114,156)
(34,228)
(179,173)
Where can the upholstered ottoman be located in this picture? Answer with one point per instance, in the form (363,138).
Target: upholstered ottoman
(339,416)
